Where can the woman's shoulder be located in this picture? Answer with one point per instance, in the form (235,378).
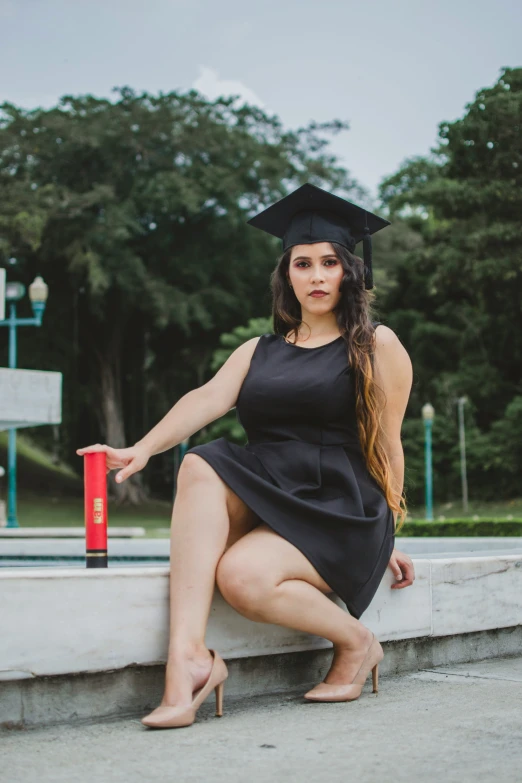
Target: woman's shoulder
(383,333)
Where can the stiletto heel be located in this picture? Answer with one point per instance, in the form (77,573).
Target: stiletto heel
(219,700)
(351,691)
(172,717)
(375,677)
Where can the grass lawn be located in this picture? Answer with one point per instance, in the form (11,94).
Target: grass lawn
(51,495)
(34,511)
(504,508)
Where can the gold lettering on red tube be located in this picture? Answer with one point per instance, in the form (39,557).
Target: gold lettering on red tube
(98,511)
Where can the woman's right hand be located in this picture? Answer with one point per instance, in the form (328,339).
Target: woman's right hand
(131,459)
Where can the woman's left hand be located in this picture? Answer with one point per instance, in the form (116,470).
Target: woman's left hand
(402,568)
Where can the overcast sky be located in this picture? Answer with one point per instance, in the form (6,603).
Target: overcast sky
(393,70)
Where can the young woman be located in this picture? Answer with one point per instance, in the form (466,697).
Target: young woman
(308,507)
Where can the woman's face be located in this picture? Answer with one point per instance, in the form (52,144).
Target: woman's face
(313,267)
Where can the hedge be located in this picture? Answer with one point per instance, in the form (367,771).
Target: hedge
(485,526)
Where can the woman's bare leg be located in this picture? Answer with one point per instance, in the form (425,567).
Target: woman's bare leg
(267,579)
(207,518)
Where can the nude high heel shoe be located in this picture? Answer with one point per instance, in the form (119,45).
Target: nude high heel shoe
(172,717)
(351,691)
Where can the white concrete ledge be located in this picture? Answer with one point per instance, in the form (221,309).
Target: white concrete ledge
(70,620)
(66,532)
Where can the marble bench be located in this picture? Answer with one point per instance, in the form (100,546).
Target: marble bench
(92,630)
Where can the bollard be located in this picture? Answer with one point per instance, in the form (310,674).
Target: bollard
(95,488)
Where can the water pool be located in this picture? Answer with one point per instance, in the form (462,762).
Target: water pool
(66,553)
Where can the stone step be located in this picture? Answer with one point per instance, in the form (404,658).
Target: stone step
(136,690)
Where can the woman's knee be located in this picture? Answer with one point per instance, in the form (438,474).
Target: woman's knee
(241,584)
(194,468)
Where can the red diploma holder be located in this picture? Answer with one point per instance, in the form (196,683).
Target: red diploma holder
(95,485)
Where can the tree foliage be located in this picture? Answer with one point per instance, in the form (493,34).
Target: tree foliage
(457,298)
(135,211)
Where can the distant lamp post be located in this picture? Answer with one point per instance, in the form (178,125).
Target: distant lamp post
(428,413)
(3,519)
(38,291)
(462,442)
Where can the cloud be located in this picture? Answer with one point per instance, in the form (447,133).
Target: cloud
(209,83)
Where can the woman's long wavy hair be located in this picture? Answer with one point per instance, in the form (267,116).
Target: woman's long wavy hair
(354,320)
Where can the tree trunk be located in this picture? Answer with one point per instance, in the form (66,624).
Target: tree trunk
(111,417)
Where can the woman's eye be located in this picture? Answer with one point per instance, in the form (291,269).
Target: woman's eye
(328,260)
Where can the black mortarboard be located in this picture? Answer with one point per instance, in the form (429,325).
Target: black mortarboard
(311,214)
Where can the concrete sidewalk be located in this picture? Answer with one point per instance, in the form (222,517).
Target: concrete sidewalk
(451,724)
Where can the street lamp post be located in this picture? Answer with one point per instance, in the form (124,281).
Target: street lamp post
(428,412)
(462,442)
(38,291)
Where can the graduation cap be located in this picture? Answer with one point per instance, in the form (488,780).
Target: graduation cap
(311,214)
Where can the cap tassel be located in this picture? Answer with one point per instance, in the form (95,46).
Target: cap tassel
(367,252)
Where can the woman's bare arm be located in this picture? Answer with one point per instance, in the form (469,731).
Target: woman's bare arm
(394,377)
(200,406)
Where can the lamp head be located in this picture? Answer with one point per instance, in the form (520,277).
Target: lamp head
(38,290)
(14,291)
(428,412)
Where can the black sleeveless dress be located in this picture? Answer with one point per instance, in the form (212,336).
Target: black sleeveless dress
(302,470)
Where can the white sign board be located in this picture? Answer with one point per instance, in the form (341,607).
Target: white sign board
(2,294)
(29,398)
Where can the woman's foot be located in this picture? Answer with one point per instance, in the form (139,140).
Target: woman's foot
(188,673)
(349,670)
(185,673)
(347,659)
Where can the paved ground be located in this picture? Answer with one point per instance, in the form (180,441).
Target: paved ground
(447,724)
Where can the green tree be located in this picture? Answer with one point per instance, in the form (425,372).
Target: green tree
(456,298)
(135,211)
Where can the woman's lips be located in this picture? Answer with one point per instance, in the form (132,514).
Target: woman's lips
(318,294)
